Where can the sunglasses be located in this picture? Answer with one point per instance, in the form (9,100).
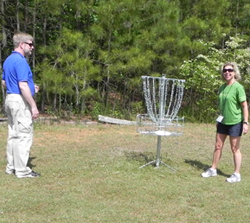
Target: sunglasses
(229,70)
(30,44)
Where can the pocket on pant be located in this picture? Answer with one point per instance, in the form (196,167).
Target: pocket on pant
(24,125)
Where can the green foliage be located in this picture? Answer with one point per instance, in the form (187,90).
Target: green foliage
(203,78)
(92,50)
(69,72)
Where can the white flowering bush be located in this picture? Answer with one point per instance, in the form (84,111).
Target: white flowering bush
(203,78)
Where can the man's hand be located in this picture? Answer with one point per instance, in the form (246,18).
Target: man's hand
(34,112)
(36,88)
(25,90)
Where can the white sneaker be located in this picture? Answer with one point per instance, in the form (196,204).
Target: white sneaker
(32,174)
(234,178)
(9,172)
(209,173)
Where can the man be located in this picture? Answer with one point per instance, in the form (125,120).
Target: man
(19,106)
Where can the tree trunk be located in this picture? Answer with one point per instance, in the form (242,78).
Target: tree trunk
(54,103)
(34,35)
(17,16)
(26,15)
(60,104)
(2,46)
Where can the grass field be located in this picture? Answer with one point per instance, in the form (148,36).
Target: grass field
(90,174)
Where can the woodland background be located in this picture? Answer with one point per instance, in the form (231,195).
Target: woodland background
(90,55)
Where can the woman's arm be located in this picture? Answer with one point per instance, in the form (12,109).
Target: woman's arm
(245,115)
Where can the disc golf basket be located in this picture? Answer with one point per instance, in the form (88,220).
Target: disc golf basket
(163,97)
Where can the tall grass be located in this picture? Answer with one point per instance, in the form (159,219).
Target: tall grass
(90,174)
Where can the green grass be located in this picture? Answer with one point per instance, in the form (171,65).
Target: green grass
(90,174)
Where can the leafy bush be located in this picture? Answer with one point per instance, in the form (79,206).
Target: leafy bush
(203,78)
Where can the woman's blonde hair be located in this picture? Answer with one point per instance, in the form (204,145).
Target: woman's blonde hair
(237,75)
(21,37)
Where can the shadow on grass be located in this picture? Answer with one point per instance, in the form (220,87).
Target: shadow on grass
(140,157)
(201,166)
(30,165)
(143,158)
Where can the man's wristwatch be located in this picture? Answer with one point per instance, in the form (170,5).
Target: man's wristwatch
(246,123)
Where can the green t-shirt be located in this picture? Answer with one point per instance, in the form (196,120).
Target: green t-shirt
(230,98)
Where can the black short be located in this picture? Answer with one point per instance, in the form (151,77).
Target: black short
(231,130)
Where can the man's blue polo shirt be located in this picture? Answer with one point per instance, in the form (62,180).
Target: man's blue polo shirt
(16,69)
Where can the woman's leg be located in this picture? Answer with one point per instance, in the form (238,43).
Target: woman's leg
(219,143)
(235,147)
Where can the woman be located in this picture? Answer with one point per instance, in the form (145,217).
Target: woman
(232,121)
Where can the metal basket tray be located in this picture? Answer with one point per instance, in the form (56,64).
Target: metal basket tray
(165,126)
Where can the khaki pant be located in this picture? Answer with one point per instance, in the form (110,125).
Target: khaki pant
(20,134)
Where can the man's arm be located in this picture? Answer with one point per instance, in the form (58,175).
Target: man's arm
(26,93)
